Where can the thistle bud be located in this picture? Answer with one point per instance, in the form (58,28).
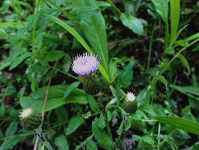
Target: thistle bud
(30,119)
(86,66)
(130,103)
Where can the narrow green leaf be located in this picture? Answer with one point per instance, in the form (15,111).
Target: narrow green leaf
(132,23)
(126,76)
(71,87)
(180,123)
(19,60)
(185,62)
(161,6)
(70,30)
(101,135)
(11,129)
(74,123)
(61,142)
(175,17)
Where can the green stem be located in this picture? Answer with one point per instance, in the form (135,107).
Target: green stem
(150,46)
(159,128)
(113,5)
(123,2)
(44,138)
(99,101)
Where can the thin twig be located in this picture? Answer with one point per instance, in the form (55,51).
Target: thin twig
(44,106)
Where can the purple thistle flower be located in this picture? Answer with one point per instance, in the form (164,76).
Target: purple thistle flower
(85,64)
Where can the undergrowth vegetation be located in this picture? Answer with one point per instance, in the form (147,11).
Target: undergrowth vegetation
(112,74)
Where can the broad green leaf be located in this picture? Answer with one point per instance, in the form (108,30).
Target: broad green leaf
(71,87)
(11,129)
(175,17)
(132,23)
(126,76)
(184,61)
(163,80)
(80,39)
(100,121)
(53,55)
(61,142)
(90,145)
(187,90)
(11,142)
(74,123)
(93,104)
(101,135)
(61,113)
(83,13)
(55,98)
(183,124)
(95,31)
(161,6)
(19,59)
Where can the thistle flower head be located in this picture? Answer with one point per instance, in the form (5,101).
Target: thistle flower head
(30,119)
(85,64)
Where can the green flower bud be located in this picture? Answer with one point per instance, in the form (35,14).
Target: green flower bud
(30,119)
(130,103)
(91,84)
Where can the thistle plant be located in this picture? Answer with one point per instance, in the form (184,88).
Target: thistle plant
(86,66)
(30,119)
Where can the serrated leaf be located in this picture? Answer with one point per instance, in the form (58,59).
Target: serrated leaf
(185,62)
(19,59)
(132,23)
(101,135)
(180,123)
(74,123)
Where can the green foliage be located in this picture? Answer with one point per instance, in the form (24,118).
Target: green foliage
(149,48)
